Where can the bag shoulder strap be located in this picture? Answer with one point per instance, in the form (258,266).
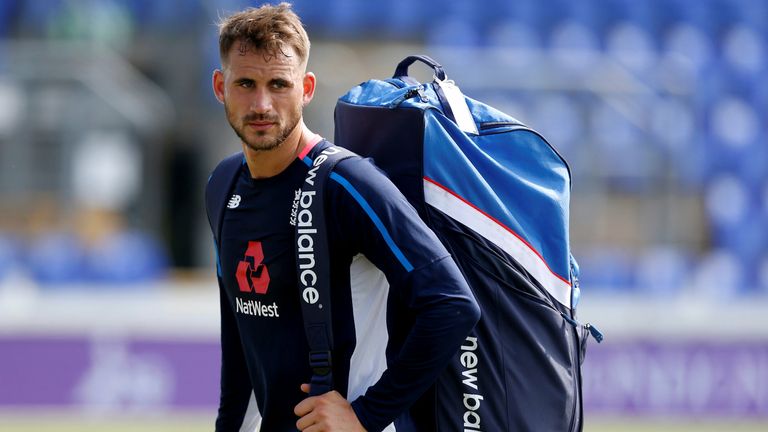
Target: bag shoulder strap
(313,266)
(216,192)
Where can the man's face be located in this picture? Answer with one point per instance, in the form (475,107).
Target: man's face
(263,95)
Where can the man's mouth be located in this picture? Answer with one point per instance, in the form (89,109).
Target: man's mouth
(260,125)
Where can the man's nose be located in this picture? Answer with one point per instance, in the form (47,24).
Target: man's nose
(261,102)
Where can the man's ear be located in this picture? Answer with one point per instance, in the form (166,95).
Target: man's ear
(308,83)
(218,84)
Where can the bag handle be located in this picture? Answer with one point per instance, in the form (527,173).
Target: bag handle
(402,67)
(401,72)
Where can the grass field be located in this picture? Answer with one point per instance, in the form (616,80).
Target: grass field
(201,423)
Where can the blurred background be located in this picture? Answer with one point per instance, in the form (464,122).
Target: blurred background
(109,129)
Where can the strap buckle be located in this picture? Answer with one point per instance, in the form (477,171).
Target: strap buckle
(320,362)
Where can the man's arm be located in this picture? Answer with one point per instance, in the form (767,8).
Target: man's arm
(445,313)
(430,290)
(236,389)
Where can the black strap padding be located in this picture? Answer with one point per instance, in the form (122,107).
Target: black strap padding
(313,267)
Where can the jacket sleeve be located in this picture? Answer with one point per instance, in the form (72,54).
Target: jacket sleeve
(237,407)
(235,386)
(427,290)
(442,321)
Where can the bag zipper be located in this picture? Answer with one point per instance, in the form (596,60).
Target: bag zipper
(498,124)
(513,126)
(527,295)
(413,92)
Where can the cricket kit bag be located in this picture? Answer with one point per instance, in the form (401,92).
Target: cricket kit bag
(497,194)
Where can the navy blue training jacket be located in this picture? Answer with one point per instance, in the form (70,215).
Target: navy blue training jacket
(401,307)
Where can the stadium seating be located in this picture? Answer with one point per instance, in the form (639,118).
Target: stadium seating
(9,255)
(56,259)
(128,257)
(701,129)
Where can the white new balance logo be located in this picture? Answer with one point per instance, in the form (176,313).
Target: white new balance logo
(234,201)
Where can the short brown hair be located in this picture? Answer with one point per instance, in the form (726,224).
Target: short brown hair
(268,28)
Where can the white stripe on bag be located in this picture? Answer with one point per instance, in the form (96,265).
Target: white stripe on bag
(465,213)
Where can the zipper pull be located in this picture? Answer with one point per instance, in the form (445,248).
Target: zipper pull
(597,334)
(405,96)
(575,293)
(423,96)
(575,287)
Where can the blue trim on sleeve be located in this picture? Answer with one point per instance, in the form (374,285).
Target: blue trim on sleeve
(218,261)
(371,214)
(375,219)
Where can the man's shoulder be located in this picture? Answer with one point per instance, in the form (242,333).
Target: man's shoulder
(218,185)
(355,177)
(228,163)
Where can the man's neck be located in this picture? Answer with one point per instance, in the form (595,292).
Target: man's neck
(264,164)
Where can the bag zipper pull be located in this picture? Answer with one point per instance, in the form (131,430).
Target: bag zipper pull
(575,287)
(412,92)
(597,334)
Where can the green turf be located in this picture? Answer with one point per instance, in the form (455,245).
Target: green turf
(198,423)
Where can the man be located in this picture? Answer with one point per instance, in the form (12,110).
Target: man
(400,305)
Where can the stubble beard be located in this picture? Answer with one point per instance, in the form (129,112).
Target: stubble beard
(262,145)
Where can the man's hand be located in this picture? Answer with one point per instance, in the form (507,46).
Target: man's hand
(329,412)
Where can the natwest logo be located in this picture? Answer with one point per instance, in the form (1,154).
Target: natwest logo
(252,274)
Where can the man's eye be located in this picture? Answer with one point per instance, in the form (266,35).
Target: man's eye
(246,84)
(279,84)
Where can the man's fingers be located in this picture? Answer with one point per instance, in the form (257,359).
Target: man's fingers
(305,407)
(328,412)
(305,388)
(305,422)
